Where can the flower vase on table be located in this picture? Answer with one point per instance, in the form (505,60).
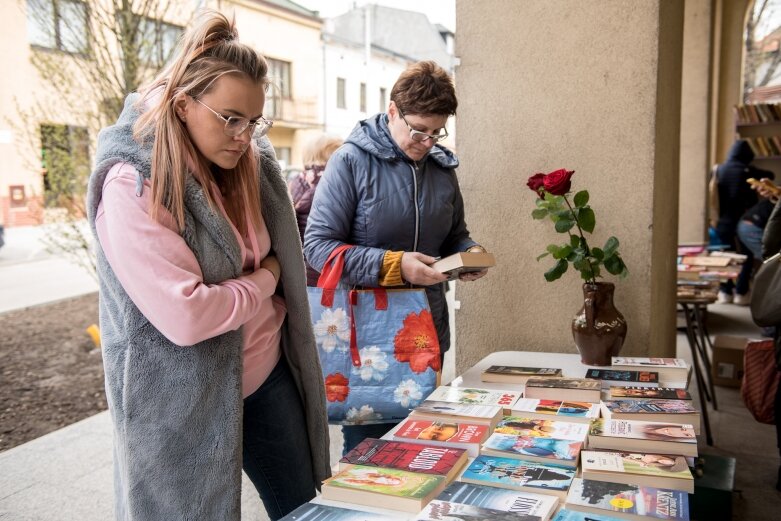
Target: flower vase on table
(599,328)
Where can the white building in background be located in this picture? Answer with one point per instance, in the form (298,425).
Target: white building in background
(358,77)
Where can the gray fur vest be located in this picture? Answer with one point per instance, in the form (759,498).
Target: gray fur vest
(177,411)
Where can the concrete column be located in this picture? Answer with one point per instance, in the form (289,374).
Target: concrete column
(592,86)
(696,103)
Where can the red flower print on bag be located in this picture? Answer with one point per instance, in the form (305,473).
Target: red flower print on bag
(337,387)
(417,342)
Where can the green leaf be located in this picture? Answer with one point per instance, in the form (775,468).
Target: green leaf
(581,199)
(541,256)
(539,213)
(556,271)
(597,254)
(564,225)
(614,265)
(587,219)
(552,249)
(564,252)
(565,213)
(574,241)
(611,245)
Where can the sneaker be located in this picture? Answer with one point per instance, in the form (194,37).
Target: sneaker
(724,298)
(743,300)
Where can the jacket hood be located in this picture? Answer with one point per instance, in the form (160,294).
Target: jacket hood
(373,136)
(740,152)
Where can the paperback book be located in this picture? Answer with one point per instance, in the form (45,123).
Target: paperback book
(670,411)
(519,475)
(384,488)
(513,501)
(560,430)
(653,470)
(574,412)
(471,396)
(639,436)
(649,393)
(673,372)
(464,262)
(533,448)
(610,377)
(413,457)
(566,389)
(516,374)
(467,436)
(460,412)
(572,515)
(445,511)
(627,501)
(316,512)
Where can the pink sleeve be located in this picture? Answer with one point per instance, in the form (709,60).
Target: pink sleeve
(161,274)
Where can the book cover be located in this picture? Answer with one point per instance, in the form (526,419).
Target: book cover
(392,482)
(556,408)
(650,393)
(412,457)
(561,430)
(564,383)
(490,470)
(650,406)
(661,465)
(640,430)
(316,512)
(572,515)
(471,396)
(611,375)
(523,371)
(549,448)
(486,412)
(514,501)
(642,501)
(442,431)
(438,510)
(650,362)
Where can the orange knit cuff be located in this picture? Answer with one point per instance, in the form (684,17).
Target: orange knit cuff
(390,273)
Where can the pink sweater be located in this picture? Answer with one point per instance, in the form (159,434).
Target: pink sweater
(162,277)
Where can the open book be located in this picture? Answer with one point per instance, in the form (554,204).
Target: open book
(464,262)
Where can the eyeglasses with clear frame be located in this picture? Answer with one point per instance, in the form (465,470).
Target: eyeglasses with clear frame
(419,137)
(235,126)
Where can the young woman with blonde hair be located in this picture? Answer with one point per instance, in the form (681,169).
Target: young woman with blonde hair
(208,350)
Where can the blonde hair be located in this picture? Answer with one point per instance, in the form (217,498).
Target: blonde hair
(209,50)
(318,150)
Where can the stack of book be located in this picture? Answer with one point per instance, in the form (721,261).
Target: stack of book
(667,411)
(624,501)
(673,372)
(541,441)
(626,378)
(714,267)
(516,374)
(393,475)
(565,389)
(640,436)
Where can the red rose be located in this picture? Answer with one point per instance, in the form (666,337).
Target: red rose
(558,182)
(535,183)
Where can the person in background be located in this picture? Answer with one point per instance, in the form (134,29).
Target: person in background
(208,368)
(771,245)
(391,191)
(752,224)
(730,197)
(302,187)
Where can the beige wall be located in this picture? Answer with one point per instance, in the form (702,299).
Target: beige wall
(590,86)
(695,120)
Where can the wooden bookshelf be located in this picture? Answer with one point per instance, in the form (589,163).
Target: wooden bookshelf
(760,125)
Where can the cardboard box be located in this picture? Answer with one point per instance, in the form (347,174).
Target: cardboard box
(727,361)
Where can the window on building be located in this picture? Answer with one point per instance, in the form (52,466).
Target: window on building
(156,41)
(341,94)
(363,97)
(65,162)
(383,99)
(58,24)
(283,156)
(279,73)
(17,196)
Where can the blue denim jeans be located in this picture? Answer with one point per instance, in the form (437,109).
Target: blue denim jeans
(355,434)
(276,450)
(750,235)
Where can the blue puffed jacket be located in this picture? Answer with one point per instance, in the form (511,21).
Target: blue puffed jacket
(376,198)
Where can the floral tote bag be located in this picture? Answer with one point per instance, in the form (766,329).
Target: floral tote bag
(378,348)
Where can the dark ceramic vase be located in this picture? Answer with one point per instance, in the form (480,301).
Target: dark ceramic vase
(599,329)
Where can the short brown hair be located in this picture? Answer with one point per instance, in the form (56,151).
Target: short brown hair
(425,88)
